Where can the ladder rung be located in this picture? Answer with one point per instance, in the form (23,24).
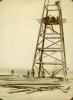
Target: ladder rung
(48,63)
(51,5)
(51,34)
(53,37)
(52,50)
(53,10)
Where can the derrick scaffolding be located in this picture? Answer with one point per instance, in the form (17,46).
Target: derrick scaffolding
(50,58)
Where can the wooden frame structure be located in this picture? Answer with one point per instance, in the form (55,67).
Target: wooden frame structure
(50,47)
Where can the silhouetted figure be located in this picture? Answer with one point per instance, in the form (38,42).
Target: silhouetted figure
(57,2)
(57,20)
(12,72)
(46,20)
(28,73)
(43,74)
(33,73)
(53,20)
(52,74)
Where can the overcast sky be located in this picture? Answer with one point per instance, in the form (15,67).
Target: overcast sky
(19,30)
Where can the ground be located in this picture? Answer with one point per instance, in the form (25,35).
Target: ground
(44,95)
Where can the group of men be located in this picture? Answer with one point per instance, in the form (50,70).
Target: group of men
(50,20)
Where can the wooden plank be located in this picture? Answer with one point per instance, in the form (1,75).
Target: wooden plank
(19,90)
(50,63)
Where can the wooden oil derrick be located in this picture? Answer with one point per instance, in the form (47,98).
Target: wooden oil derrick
(50,45)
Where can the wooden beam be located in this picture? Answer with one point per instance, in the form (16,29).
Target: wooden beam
(48,63)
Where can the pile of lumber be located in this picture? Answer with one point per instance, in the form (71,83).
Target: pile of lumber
(33,85)
(31,88)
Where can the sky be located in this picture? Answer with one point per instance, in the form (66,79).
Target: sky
(19,31)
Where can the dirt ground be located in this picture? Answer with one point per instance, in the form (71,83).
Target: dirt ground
(43,95)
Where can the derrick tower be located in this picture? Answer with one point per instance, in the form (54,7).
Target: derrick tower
(50,59)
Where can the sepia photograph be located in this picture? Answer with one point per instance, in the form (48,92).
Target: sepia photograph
(36,49)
